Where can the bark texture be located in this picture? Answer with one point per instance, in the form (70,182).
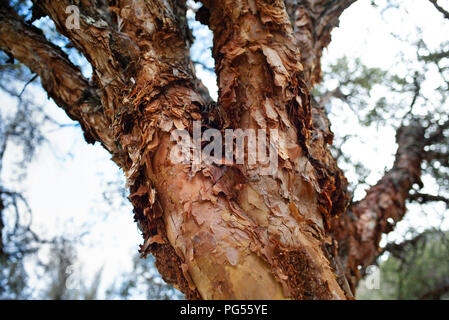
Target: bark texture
(216,231)
(357,232)
(262,87)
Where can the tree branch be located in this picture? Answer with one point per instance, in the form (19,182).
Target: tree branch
(397,249)
(114,54)
(360,230)
(133,118)
(440,8)
(261,87)
(424,198)
(117,55)
(312,23)
(61,79)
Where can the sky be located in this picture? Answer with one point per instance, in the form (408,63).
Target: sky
(67,177)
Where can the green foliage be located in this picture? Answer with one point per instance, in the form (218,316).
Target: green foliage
(416,271)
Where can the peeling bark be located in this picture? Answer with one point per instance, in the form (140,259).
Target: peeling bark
(312,23)
(261,87)
(135,115)
(220,231)
(60,78)
(360,230)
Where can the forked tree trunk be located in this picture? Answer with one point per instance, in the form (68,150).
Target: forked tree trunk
(217,231)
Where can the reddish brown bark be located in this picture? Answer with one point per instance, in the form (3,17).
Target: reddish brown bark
(261,87)
(207,234)
(358,230)
(60,78)
(312,23)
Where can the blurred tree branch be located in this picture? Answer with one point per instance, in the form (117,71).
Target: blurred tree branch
(440,8)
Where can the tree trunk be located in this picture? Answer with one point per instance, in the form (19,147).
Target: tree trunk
(217,231)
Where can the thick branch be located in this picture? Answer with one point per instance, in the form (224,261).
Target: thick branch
(140,115)
(111,53)
(200,236)
(62,80)
(360,230)
(440,8)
